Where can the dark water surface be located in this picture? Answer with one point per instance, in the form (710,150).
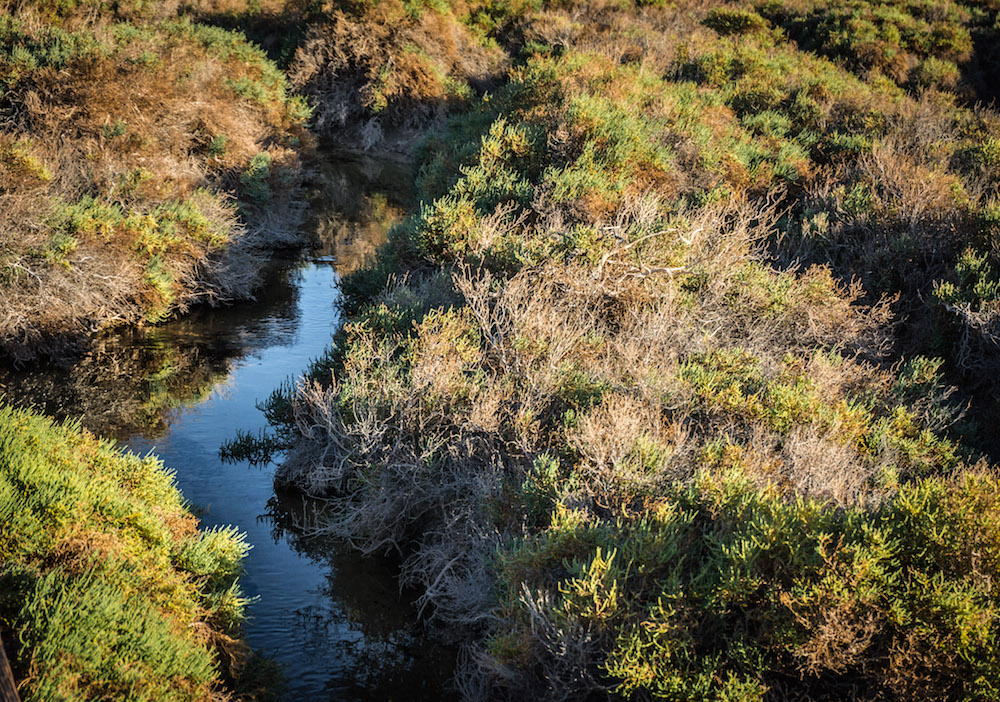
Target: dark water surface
(337,622)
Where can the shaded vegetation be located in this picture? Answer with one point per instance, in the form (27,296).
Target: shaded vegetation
(378,73)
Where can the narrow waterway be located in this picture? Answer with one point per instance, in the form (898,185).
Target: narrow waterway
(335,621)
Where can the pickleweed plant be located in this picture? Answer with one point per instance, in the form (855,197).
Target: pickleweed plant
(109,588)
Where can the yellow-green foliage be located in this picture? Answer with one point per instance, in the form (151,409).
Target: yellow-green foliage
(20,164)
(590,134)
(717,585)
(107,585)
(921,42)
(977,283)
(161,240)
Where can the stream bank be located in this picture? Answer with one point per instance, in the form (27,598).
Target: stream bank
(337,622)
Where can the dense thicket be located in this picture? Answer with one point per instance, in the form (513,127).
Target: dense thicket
(654,392)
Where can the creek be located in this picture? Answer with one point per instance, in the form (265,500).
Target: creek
(337,622)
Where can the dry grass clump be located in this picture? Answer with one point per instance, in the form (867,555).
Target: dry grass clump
(390,66)
(122,147)
(913,214)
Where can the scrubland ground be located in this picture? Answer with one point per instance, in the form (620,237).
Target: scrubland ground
(656,391)
(108,590)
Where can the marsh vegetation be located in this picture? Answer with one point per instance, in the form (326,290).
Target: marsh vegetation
(678,381)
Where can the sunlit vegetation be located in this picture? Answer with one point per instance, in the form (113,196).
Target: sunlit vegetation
(630,390)
(109,589)
(919,45)
(677,383)
(144,160)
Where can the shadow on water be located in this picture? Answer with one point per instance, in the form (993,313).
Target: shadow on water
(386,654)
(130,381)
(337,622)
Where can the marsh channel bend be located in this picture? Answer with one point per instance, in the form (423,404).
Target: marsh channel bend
(336,621)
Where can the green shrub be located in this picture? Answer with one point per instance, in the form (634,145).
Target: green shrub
(161,279)
(254,178)
(735,21)
(933,72)
(976,282)
(886,36)
(25,51)
(217,146)
(116,129)
(720,590)
(59,247)
(107,585)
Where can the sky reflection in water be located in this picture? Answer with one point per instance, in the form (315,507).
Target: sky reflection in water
(337,621)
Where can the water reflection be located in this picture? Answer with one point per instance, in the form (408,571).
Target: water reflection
(350,221)
(336,621)
(130,382)
(384,652)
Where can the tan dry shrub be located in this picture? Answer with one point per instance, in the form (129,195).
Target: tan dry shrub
(740,300)
(258,10)
(842,630)
(607,435)
(819,311)
(134,133)
(100,285)
(920,197)
(902,208)
(650,36)
(627,320)
(916,667)
(835,378)
(445,352)
(978,345)
(626,448)
(163,118)
(42,301)
(820,466)
(500,228)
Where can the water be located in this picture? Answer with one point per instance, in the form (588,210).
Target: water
(336,621)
